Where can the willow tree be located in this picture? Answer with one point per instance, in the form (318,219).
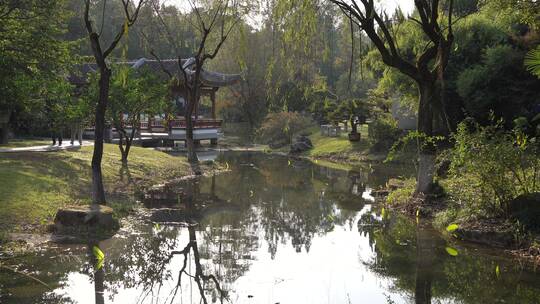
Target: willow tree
(427,70)
(101,51)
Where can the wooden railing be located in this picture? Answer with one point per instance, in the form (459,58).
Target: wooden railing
(198,123)
(177,123)
(181,123)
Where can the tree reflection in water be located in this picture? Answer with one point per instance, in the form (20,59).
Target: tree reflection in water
(202,280)
(199,277)
(414,257)
(197,241)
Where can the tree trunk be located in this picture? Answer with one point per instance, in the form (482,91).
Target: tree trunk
(98,192)
(192,156)
(4,134)
(426,149)
(124,149)
(4,126)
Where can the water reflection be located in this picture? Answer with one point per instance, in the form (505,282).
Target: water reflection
(272,230)
(415,257)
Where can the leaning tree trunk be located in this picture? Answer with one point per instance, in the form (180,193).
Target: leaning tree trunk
(98,192)
(426,155)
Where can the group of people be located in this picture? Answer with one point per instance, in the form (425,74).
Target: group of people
(76,131)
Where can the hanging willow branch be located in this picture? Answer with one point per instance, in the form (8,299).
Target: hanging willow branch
(352,51)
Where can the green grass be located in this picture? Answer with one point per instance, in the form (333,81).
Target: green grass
(35,185)
(338,147)
(20,143)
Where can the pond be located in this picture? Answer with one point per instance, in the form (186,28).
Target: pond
(272,230)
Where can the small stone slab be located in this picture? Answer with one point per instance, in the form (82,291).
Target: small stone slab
(91,219)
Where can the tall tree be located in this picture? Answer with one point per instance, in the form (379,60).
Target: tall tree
(214,23)
(427,70)
(31,52)
(131,12)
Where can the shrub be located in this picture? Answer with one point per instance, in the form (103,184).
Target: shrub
(402,195)
(279,128)
(383,132)
(491,166)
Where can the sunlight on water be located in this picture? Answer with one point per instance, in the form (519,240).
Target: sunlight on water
(272,230)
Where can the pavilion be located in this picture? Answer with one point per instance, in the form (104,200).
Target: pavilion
(152,128)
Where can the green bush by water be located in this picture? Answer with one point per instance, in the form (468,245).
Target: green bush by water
(491,166)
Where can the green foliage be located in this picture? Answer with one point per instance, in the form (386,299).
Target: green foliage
(499,84)
(414,139)
(383,132)
(513,11)
(31,52)
(532,61)
(490,166)
(279,128)
(136,92)
(347,110)
(403,195)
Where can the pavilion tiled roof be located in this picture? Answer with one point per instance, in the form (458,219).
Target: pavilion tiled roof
(211,79)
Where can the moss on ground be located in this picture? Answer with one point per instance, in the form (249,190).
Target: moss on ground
(34,185)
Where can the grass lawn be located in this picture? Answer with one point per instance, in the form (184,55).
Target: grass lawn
(34,185)
(339,147)
(20,143)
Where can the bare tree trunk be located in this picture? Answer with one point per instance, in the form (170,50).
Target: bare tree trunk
(426,157)
(98,191)
(4,134)
(129,142)
(4,126)
(192,156)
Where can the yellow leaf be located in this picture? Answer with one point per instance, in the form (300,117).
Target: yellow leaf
(497,271)
(100,257)
(451,251)
(452,227)
(98,253)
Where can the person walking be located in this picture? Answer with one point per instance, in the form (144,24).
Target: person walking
(76,133)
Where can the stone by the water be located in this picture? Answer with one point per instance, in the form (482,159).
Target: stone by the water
(302,144)
(90,219)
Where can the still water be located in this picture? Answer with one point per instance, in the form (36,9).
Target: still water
(272,230)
